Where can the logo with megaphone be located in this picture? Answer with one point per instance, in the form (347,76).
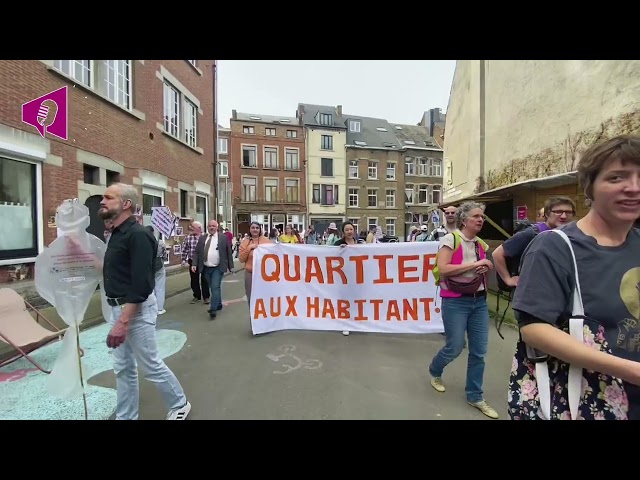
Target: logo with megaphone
(48,113)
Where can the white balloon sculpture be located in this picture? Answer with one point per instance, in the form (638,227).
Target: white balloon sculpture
(67,274)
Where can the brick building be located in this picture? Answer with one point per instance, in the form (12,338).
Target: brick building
(375,177)
(149,123)
(267,171)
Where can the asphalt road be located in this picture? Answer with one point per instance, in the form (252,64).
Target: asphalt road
(228,373)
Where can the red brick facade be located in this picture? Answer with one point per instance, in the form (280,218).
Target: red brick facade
(107,142)
(275,205)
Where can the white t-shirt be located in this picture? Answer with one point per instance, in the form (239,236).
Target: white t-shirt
(468,251)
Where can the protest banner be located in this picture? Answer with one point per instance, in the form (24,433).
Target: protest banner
(379,287)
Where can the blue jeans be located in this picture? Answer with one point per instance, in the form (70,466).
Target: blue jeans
(214,279)
(460,315)
(140,346)
(160,288)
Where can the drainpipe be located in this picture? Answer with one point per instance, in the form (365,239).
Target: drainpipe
(216,189)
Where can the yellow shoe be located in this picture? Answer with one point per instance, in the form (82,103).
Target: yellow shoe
(485,408)
(436,382)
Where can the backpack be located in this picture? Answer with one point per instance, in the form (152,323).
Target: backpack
(513,263)
(457,243)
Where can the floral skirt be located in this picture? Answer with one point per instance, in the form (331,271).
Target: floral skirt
(602,398)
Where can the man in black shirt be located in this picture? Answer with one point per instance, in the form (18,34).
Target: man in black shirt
(128,272)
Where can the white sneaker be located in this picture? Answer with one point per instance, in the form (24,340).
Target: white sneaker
(180,413)
(162,311)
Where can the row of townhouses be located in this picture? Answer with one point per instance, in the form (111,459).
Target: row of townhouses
(325,165)
(150,123)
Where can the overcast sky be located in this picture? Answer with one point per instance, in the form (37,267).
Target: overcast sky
(399,91)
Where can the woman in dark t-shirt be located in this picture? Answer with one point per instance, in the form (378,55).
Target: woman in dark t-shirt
(604,350)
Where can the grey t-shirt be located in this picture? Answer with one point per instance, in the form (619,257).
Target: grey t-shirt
(609,280)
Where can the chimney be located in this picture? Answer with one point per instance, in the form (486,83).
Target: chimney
(234,114)
(339,110)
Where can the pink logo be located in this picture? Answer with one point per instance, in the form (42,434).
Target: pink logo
(48,113)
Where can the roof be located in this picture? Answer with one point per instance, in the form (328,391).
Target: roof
(374,133)
(414,137)
(310,116)
(259,118)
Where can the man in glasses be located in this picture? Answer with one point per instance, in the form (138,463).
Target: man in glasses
(558,211)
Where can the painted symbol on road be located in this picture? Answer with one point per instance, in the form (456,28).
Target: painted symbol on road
(226,303)
(287,355)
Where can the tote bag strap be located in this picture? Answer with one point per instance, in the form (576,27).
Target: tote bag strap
(576,324)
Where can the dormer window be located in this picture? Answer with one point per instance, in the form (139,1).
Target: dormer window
(355,126)
(325,119)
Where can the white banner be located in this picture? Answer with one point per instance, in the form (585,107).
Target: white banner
(377,287)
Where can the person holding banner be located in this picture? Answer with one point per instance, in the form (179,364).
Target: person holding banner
(247,247)
(463,267)
(348,238)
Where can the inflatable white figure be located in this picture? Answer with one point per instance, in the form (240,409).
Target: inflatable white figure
(66,275)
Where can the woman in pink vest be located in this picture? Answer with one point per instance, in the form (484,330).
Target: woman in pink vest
(463,270)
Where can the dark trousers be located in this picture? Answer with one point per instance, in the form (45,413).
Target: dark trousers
(199,284)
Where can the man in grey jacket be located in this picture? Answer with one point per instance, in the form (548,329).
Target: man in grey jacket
(213,258)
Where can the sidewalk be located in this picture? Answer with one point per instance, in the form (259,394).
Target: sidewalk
(178,281)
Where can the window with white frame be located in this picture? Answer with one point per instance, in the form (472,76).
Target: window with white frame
(79,70)
(249,129)
(372,197)
(436,194)
(372,222)
(409,166)
(391,171)
(292,162)
(355,224)
(409,193)
(223,169)
(202,209)
(390,198)
(151,197)
(270,132)
(436,167)
(110,78)
(270,157)
(326,142)
(423,193)
(171,110)
(423,167)
(292,187)
(249,189)
(296,221)
(325,119)
(118,82)
(373,170)
(353,169)
(249,156)
(271,189)
(19,191)
(190,121)
(353,197)
(354,126)
(223,145)
(292,134)
(390,227)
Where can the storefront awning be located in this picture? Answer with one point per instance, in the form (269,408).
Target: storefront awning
(504,193)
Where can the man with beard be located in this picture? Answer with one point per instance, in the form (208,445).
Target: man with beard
(129,282)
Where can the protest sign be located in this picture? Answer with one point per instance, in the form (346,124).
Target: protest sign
(379,287)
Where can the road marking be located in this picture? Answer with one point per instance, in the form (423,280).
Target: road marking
(226,303)
(287,354)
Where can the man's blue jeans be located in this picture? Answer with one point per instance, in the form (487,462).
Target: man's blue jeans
(214,279)
(460,315)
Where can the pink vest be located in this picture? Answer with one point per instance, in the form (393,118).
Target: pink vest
(456,259)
